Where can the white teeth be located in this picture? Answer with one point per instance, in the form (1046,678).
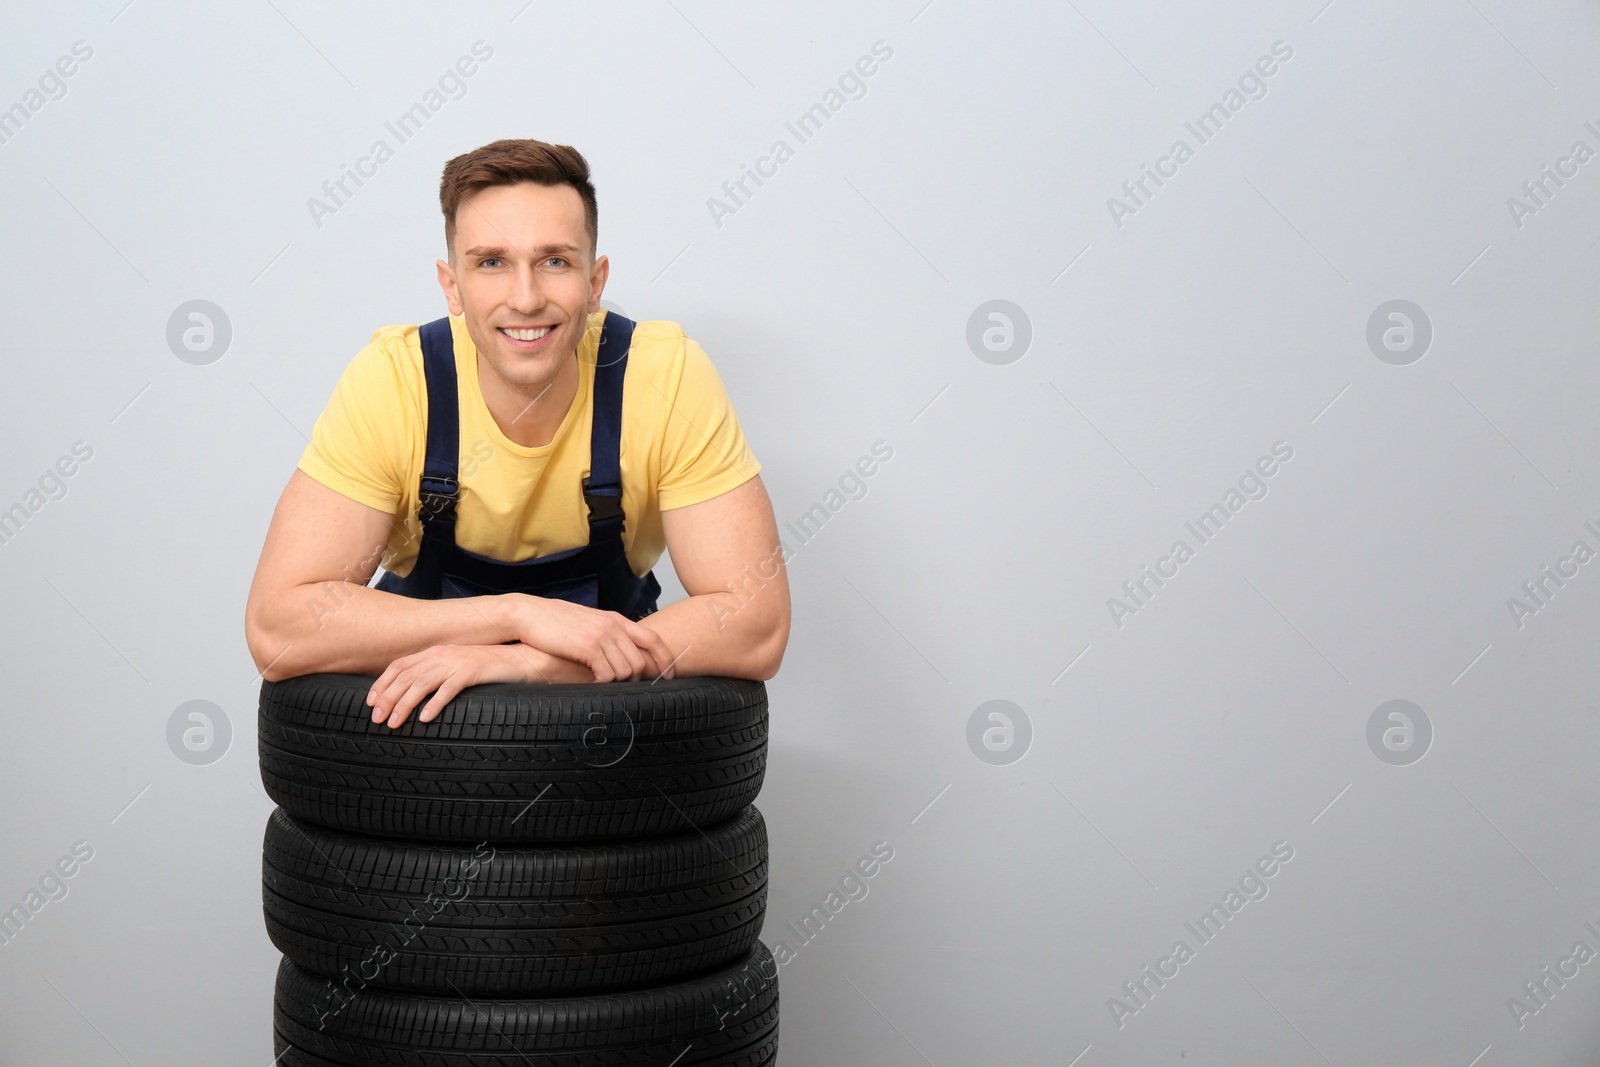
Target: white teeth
(527,335)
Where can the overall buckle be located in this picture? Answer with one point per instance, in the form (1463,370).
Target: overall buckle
(602,506)
(433,504)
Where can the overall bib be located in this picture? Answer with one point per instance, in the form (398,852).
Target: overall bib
(597,574)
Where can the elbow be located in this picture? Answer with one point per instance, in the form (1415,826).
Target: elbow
(770,650)
(269,646)
(275,671)
(271,658)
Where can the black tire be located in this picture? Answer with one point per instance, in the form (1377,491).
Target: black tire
(507,763)
(514,921)
(728,1018)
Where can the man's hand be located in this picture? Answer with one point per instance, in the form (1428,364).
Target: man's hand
(448,669)
(607,642)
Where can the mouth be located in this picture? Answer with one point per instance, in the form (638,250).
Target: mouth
(528,339)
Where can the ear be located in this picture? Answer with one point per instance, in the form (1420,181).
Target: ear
(447,282)
(597,282)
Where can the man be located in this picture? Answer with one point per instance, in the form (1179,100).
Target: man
(519,465)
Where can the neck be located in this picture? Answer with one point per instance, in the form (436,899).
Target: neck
(529,416)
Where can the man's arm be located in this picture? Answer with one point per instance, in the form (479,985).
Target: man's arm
(310,611)
(735,621)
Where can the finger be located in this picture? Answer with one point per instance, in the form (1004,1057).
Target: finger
(604,664)
(640,644)
(378,688)
(632,657)
(618,651)
(447,692)
(661,657)
(650,641)
(390,685)
(382,700)
(409,700)
(632,660)
(383,705)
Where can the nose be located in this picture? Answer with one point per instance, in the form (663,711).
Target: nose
(527,293)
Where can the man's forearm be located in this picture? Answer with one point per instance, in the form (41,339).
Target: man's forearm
(714,633)
(341,627)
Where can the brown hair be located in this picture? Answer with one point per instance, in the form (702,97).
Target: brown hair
(512,160)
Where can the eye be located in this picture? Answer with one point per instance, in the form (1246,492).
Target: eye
(488,260)
(557,259)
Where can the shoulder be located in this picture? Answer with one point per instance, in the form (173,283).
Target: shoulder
(367,439)
(666,355)
(702,449)
(656,339)
(670,371)
(389,365)
(400,345)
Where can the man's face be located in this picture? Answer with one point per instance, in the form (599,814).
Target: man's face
(521,263)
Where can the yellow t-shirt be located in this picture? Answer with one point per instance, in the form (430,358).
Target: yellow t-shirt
(681,444)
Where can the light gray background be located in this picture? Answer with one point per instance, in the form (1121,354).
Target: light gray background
(1167,754)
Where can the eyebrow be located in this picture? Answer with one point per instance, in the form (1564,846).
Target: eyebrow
(496,250)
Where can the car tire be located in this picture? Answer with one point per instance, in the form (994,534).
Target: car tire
(728,1018)
(514,920)
(516,762)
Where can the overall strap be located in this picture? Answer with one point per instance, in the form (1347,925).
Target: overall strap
(440,490)
(602,489)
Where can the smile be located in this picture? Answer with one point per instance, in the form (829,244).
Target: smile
(533,333)
(527,338)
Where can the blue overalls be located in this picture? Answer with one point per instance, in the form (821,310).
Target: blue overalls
(597,574)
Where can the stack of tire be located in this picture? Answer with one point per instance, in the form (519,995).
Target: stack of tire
(544,875)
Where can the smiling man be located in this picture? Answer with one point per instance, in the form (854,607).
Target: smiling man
(518,467)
